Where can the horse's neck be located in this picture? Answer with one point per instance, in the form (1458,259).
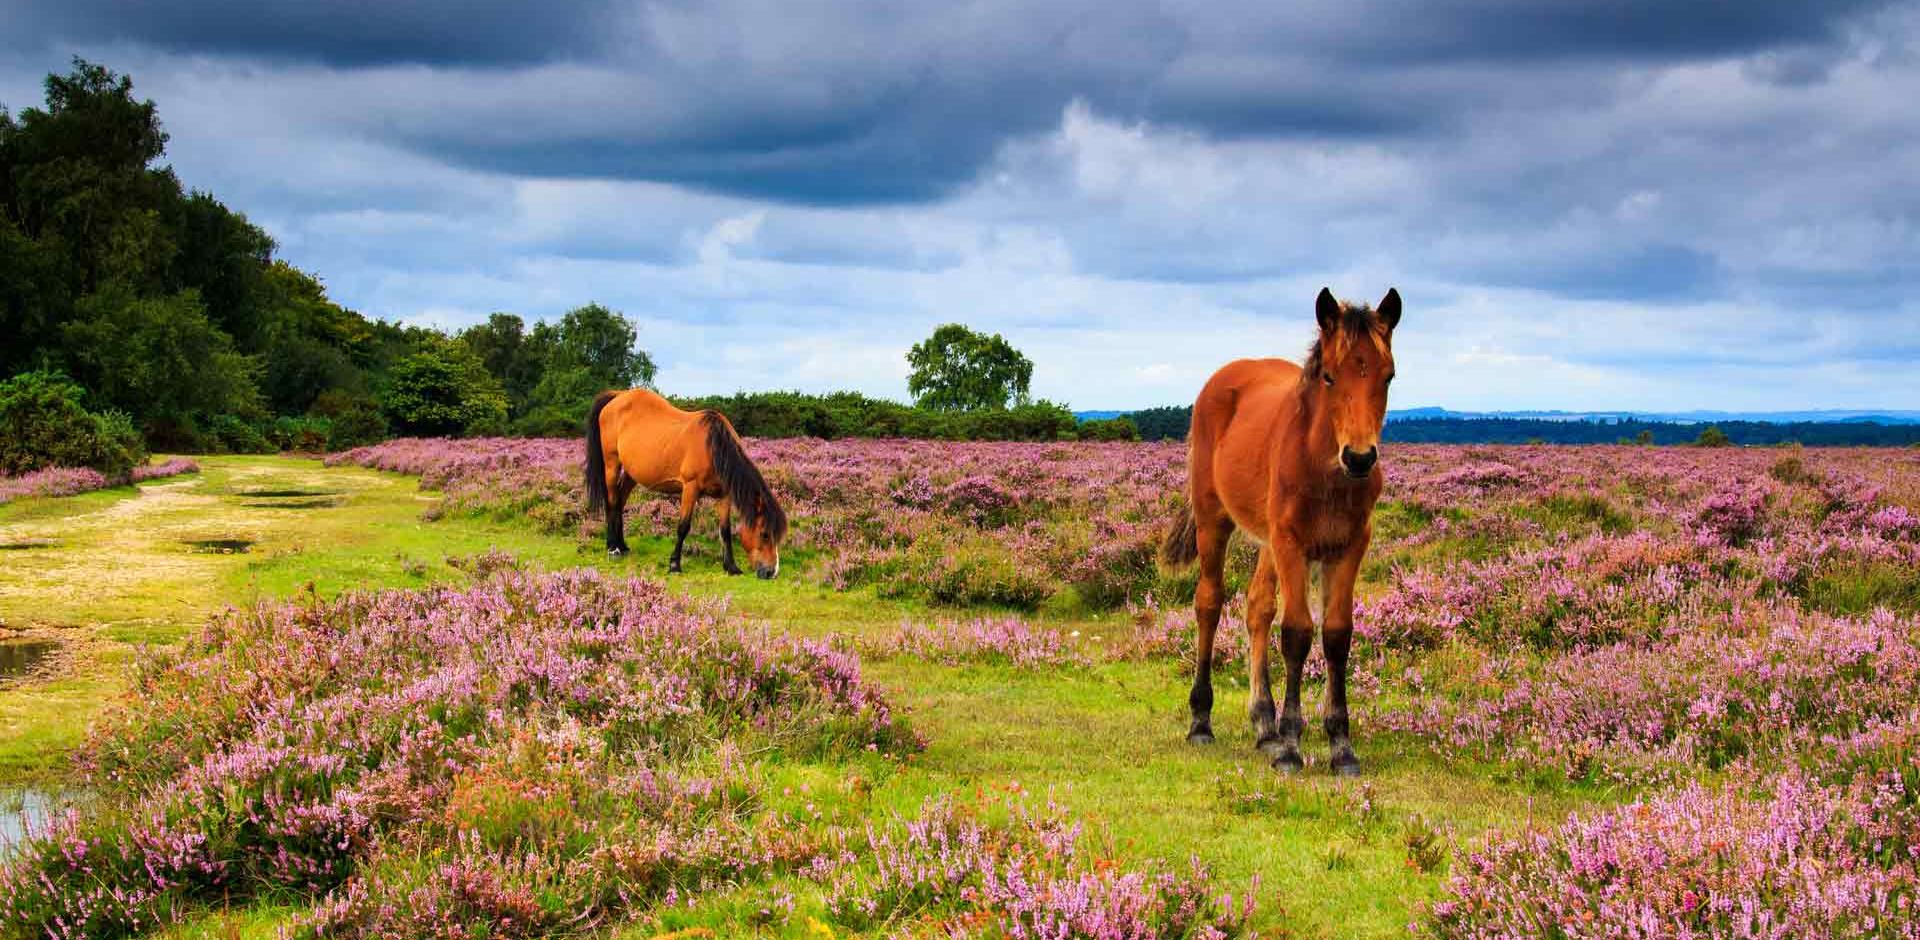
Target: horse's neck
(1317,420)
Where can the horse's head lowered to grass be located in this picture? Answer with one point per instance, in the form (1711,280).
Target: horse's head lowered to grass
(1346,374)
(763,524)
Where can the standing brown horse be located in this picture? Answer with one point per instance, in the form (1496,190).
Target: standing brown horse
(1290,455)
(636,438)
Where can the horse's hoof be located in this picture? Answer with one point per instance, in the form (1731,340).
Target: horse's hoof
(673,569)
(734,571)
(1200,736)
(1345,764)
(616,552)
(1289,762)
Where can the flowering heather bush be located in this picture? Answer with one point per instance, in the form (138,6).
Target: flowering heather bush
(1803,860)
(172,467)
(53,481)
(1767,684)
(499,760)
(958,523)
(1030,878)
(71,481)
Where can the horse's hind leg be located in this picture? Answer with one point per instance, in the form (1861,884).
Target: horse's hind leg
(726,538)
(617,492)
(1211,531)
(689,500)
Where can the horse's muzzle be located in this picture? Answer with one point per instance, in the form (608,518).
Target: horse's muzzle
(765,572)
(1358,463)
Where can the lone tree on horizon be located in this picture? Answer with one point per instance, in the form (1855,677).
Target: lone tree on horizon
(957,369)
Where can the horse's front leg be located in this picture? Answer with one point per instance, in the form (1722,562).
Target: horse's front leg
(689,500)
(1296,639)
(726,537)
(1336,639)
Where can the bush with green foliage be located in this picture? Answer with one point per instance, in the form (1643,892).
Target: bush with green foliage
(1712,437)
(443,392)
(1121,428)
(352,419)
(851,414)
(44,423)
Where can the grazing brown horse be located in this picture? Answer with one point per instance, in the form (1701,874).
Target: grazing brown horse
(636,438)
(1290,455)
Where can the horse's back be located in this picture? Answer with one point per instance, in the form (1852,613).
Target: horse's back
(1239,414)
(651,438)
(1241,391)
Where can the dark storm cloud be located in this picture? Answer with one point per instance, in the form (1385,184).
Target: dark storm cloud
(848,103)
(338,32)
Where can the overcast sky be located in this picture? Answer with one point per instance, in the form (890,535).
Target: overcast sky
(1651,204)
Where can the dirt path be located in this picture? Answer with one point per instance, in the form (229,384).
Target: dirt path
(151,563)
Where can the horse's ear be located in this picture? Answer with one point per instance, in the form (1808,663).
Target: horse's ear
(1389,308)
(1327,310)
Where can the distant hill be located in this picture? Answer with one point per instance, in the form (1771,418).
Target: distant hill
(1823,416)
(1829,428)
(1887,416)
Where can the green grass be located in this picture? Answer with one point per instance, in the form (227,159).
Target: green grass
(1106,741)
(1858,589)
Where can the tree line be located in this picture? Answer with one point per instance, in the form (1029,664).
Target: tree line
(136,312)
(133,306)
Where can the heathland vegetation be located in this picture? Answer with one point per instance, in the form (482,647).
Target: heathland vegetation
(1607,692)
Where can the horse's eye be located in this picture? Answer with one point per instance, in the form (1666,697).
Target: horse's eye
(1327,378)
(1389,378)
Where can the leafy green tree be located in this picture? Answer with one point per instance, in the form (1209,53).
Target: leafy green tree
(443,390)
(165,303)
(505,349)
(591,349)
(79,180)
(160,357)
(598,340)
(957,369)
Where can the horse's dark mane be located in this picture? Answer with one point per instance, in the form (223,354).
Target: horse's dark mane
(1357,322)
(747,490)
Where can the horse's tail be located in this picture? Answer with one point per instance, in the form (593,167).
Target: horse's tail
(1181,546)
(596,457)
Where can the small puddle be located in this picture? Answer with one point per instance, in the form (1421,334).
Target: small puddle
(27,545)
(18,657)
(291,503)
(23,812)
(219,546)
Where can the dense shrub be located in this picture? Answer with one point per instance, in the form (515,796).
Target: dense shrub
(444,391)
(850,414)
(352,419)
(1108,429)
(1798,860)
(304,434)
(43,423)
